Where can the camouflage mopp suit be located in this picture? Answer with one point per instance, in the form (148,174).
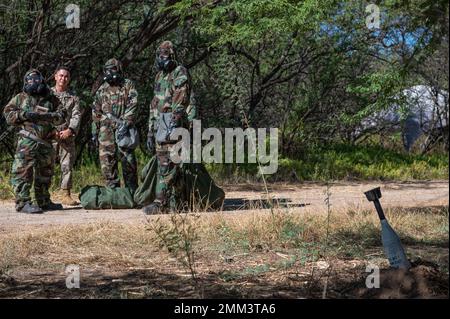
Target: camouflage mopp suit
(172,93)
(36,114)
(118,96)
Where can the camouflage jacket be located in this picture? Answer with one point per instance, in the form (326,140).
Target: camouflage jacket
(172,92)
(70,103)
(121,101)
(20,104)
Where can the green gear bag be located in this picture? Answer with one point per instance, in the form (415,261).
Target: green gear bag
(145,193)
(100,197)
(199,189)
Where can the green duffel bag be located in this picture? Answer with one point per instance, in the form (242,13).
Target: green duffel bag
(101,197)
(201,190)
(145,193)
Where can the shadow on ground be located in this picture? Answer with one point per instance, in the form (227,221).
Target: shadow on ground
(245,204)
(422,281)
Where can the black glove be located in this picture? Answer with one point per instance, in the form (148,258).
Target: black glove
(36,117)
(51,116)
(31,116)
(151,142)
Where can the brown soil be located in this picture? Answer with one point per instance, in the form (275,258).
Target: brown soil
(421,281)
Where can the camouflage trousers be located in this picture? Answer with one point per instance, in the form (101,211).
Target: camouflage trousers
(169,188)
(65,154)
(33,162)
(110,154)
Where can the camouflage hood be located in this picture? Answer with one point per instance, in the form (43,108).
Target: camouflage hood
(166,48)
(35,85)
(113,63)
(113,77)
(30,72)
(166,57)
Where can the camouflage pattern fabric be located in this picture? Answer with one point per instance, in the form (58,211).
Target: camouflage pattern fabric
(20,104)
(65,149)
(167,190)
(70,103)
(65,154)
(31,156)
(33,159)
(121,101)
(171,94)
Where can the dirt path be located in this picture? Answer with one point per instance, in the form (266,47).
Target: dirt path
(302,198)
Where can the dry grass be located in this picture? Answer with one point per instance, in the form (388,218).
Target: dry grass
(229,248)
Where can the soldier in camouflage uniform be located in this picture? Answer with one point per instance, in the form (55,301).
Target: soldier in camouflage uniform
(36,111)
(65,148)
(118,96)
(172,92)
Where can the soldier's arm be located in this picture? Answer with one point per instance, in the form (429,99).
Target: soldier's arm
(59,116)
(181,90)
(153,112)
(14,115)
(97,107)
(75,120)
(132,106)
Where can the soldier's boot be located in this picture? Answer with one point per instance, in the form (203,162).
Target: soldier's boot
(155,208)
(66,198)
(29,208)
(52,206)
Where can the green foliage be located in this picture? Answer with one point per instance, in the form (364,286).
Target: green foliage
(343,162)
(6,190)
(178,236)
(253,21)
(385,85)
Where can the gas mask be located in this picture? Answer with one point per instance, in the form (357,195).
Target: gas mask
(34,84)
(165,62)
(113,76)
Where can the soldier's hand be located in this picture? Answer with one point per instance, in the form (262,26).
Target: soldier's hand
(54,135)
(65,134)
(151,143)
